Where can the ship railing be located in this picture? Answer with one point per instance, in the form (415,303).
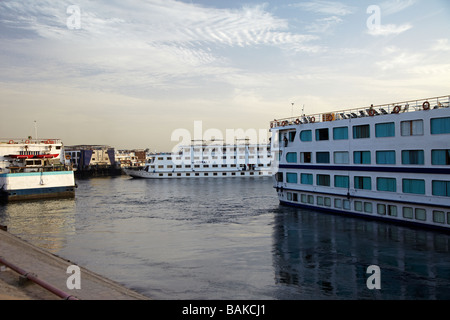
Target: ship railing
(369,111)
(29,141)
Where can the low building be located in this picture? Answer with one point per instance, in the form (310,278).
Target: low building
(131,158)
(93,159)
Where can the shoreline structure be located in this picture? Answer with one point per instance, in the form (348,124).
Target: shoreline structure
(52,269)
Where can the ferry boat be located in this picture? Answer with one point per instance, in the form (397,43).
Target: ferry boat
(203,159)
(34,169)
(389,162)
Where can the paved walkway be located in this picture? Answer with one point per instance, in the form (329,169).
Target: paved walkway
(51,269)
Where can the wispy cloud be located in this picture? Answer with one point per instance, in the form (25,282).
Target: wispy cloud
(442,45)
(334,8)
(324,24)
(327,14)
(389,29)
(395,6)
(160,38)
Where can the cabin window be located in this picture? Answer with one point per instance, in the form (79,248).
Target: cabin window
(412,128)
(306,178)
(438,216)
(323,180)
(341,157)
(381,209)
(322,157)
(291,177)
(415,186)
(306,135)
(441,188)
(341,181)
(440,157)
(319,200)
(346,204)
(305,157)
(322,134)
(385,157)
(361,132)
(387,184)
(385,130)
(368,208)
(412,157)
(440,125)
(361,157)
(291,157)
(340,133)
(358,206)
(408,212)
(392,210)
(421,214)
(364,183)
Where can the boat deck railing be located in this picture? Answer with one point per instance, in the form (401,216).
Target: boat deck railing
(378,110)
(39,169)
(29,141)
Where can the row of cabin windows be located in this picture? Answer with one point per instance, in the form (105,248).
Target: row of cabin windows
(225,150)
(407,128)
(382,209)
(417,157)
(216,157)
(188,166)
(209,174)
(412,186)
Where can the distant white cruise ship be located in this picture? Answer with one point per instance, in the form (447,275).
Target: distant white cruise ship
(212,159)
(390,162)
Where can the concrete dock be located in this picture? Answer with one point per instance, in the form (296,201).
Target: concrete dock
(52,270)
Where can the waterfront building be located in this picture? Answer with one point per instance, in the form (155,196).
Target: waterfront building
(131,158)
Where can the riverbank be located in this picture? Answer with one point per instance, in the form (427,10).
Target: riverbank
(52,270)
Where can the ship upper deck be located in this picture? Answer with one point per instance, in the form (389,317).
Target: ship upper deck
(373,110)
(29,141)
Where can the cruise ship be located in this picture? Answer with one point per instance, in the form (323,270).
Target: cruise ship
(389,162)
(34,169)
(203,159)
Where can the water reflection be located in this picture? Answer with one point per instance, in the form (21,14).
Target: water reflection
(44,223)
(326,256)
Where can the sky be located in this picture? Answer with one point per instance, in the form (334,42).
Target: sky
(131,74)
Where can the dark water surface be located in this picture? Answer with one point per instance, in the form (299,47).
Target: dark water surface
(229,239)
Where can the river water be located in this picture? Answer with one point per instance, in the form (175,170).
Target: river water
(229,239)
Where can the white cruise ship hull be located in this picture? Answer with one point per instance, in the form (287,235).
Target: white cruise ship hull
(37,185)
(195,174)
(392,165)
